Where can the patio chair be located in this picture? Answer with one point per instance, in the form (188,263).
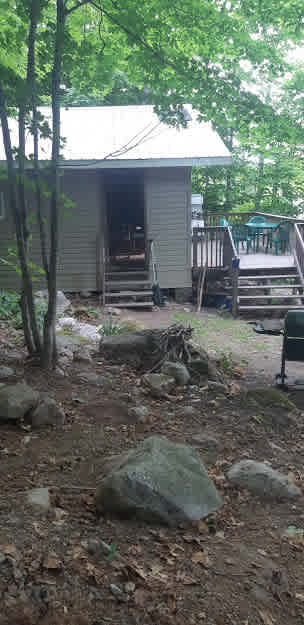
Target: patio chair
(241,235)
(224,222)
(258,219)
(279,238)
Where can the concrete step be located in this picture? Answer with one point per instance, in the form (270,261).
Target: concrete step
(280,276)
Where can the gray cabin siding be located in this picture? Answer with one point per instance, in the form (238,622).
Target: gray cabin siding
(78,230)
(168,215)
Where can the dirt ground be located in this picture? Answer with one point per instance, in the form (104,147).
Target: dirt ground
(234,569)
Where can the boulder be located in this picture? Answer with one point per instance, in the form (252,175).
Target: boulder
(6,372)
(262,480)
(82,354)
(274,406)
(158,384)
(62,303)
(133,347)
(159,481)
(47,413)
(17,401)
(178,371)
(80,331)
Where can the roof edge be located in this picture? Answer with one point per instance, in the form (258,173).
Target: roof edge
(207,161)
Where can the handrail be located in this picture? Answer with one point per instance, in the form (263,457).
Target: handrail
(152,262)
(299,252)
(231,260)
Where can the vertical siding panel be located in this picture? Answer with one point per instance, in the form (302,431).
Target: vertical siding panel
(168,209)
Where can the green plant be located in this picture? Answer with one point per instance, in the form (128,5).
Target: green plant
(10,309)
(110,327)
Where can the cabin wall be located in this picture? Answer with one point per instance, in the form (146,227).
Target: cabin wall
(168,218)
(78,232)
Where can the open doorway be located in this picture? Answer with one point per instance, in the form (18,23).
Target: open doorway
(125,216)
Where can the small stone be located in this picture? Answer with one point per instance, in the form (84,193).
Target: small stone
(59,372)
(217,386)
(83,355)
(178,371)
(158,383)
(129,587)
(111,310)
(97,546)
(187,411)
(117,592)
(6,372)
(93,379)
(47,413)
(39,497)
(262,480)
(140,413)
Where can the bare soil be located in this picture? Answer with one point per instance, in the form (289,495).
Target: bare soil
(234,569)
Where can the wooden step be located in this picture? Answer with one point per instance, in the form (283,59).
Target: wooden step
(141,275)
(129,294)
(271,307)
(270,296)
(134,305)
(270,277)
(272,286)
(127,284)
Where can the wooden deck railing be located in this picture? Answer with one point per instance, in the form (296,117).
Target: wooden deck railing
(213,247)
(213,218)
(207,247)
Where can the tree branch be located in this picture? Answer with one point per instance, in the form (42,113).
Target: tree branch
(76,6)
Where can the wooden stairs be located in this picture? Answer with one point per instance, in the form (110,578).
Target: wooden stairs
(266,290)
(128,288)
(277,290)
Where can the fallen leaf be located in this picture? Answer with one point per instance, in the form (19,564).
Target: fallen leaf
(187,580)
(52,562)
(299,596)
(200,557)
(266,617)
(11,551)
(262,552)
(202,527)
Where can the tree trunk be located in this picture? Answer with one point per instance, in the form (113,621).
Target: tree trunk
(260,185)
(49,348)
(228,203)
(27,288)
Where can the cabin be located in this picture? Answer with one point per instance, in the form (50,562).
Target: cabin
(128,175)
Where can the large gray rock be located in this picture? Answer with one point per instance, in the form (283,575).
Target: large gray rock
(6,372)
(133,347)
(47,413)
(178,371)
(158,384)
(159,481)
(17,401)
(262,480)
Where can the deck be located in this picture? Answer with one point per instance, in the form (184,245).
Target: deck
(261,260)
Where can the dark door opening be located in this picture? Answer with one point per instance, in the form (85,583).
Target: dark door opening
(125,215)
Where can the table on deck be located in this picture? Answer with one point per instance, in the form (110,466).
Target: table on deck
(258,229)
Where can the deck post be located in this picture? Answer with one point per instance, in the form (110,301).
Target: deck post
(195,247)
(235,287)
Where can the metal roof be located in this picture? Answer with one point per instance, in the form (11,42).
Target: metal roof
(129,136)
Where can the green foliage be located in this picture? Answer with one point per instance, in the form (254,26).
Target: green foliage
(10,309)
(109,327)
